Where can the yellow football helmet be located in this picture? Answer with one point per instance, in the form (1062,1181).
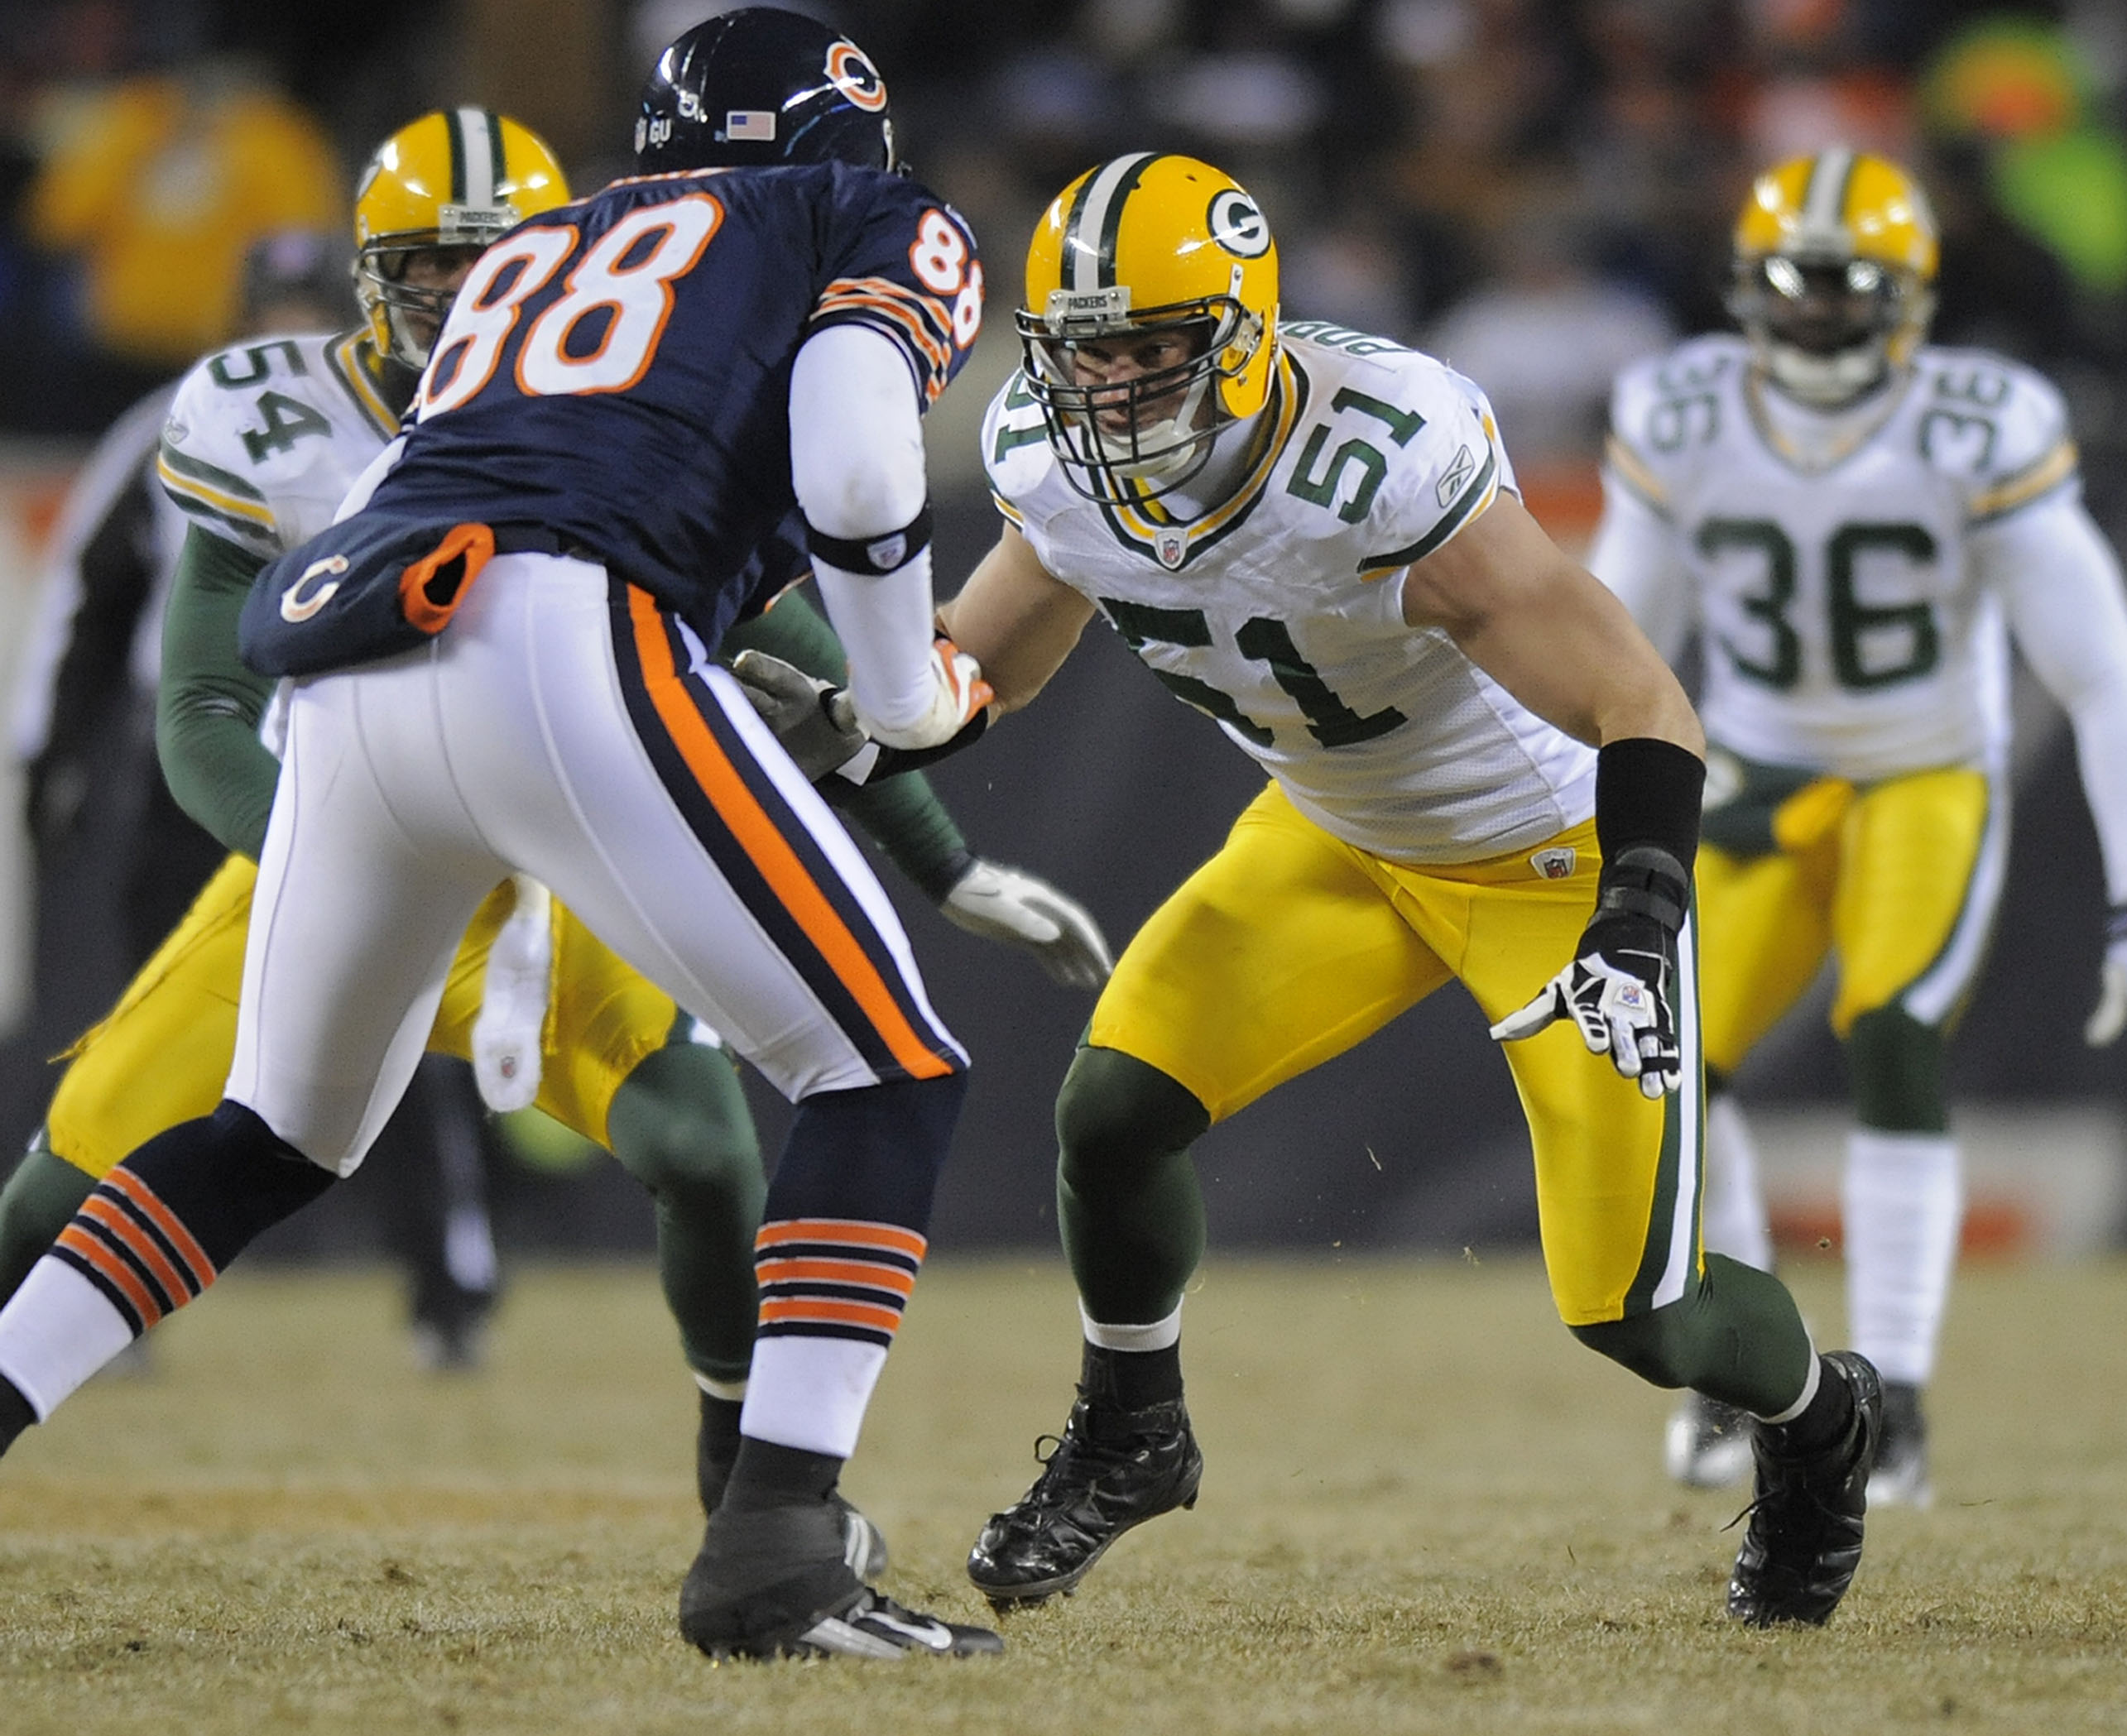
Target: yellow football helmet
(1150,322)
(450,179)
(1834,272)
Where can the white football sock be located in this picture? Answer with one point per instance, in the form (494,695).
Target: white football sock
(56,1331)
(1904,1205)
(810,1392)
(1732,1214)
(1158,1335)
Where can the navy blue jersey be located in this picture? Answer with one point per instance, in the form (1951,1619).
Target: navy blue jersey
(618,370)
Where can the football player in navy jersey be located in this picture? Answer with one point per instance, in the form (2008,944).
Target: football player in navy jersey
(629,393)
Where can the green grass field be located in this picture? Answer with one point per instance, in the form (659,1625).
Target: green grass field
(1425,1509)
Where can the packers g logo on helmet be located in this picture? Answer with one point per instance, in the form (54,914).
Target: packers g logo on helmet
(455,178)
(1835,259)
(1238,224)
(1148,256)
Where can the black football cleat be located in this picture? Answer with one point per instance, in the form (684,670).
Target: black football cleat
(777,1583)
(1110,1471)
(1804,1539)
(1900,1478)
(863,1544)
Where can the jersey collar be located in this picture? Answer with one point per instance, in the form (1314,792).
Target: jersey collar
(1148,528)
(365,377)
(1846,431)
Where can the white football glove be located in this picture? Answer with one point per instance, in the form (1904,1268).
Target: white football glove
(1008,904)
(957,691)
(1617,988)
(2109,1017)
(812,719)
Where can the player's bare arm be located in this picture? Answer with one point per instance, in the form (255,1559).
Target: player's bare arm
(1015,619)
(1544,628)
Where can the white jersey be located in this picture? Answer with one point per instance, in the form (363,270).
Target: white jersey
(265,438)
(1846,620)
(1280,612)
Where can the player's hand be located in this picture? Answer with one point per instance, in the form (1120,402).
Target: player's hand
(2109,1017)
(1619,988)
(812,718)
(958,692)
(1008,904)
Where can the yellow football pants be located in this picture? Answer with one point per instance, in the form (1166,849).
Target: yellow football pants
(1899,881)
(162,1055)
(1288,947)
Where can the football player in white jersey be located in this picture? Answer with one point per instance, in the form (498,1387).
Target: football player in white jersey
(1855,521)
(1478,770)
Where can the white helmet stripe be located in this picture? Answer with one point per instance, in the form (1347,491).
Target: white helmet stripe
(1823,222)
(1094,224)
(476,148)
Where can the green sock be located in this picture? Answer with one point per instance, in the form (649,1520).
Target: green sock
(680,1124)
(1127,1200)
(39,1202)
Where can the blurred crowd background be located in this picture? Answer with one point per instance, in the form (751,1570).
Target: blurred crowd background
(1538,190)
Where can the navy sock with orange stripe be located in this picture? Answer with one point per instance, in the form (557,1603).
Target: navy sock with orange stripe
(873,1153)
(151,1236)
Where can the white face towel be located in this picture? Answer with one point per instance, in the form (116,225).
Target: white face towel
(514,995)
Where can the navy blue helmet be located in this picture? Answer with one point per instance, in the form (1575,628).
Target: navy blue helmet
(762,86)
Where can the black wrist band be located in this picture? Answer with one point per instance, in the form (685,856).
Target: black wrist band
(939,879)
(875,555)
(1647,791)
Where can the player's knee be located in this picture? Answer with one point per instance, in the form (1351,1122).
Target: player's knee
(1653,1345)
(874,1152)
(680,1125)
(1895,1063)
(1116,1113)
(227,1176)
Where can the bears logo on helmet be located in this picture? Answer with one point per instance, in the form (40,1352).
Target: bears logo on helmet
(760,86)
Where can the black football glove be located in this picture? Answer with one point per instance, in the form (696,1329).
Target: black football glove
(1620,987)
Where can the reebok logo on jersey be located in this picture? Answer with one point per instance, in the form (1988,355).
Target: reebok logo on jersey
(1555,865)
(1459,472)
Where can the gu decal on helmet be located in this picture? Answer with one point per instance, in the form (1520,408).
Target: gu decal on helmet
(1238,224)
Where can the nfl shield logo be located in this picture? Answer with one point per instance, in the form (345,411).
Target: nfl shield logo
(1554,865)
(1171,549)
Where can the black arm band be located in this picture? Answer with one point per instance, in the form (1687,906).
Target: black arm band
(875,555)
(1647,791)
(876,760)
(893,761)
(936,883)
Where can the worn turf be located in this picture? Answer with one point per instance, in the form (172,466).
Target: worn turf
(1425,1509)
